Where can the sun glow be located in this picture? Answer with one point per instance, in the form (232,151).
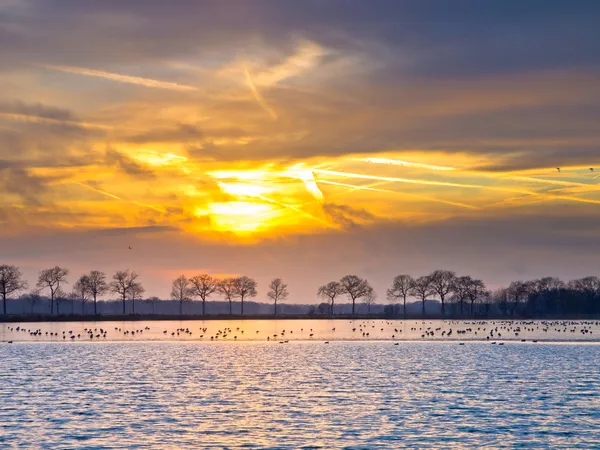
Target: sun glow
(240,217)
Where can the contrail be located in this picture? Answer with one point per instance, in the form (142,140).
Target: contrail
(108,194)
(148,82)
(422,197)
(552,182)
(399,162)
(38,119)
(440,183)
(259,98)
(402,180)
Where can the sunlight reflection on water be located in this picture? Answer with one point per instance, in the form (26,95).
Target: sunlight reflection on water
(257,395)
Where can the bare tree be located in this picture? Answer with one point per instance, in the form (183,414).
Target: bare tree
(81,290)
(330,291)
(460,290)
(136,292)
(400,290)
(277,291)
(369,299)
(52,279)
(442,282)
(97,286)
(203,286)
(226,288)
(519,291)
(11,282)
(123,283)
(476,291)
(589,286)
(180,291)
(421,289)
(354,287)
(500,298)
(244,287)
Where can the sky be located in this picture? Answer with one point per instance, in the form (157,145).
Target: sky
(302,140)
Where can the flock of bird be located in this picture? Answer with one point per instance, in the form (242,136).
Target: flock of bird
(491,330)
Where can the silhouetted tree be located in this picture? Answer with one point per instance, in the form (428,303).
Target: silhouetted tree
(421,289)
(519,292)
(203,286)
(124,281)
(330,291)
(277,291)
(442,282)
(589,289)
(81,291)
(369,299)
(400,290)
(136,292)
(11,282)
(476,291)
(461,289)
(354,287)
(322,309)
(244,287)
(226,288)
(500,298)
(180,291)
(97,286)
(52,279)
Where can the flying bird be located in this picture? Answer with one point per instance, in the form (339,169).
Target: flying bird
(130,248)
(558,168)
(591,169)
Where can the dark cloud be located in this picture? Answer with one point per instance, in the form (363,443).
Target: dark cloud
(126,164)
(180,133)
(133,231)
(347,216)
(28,187)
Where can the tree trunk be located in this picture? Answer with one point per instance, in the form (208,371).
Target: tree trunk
(230,308)
(331,309)
(353,301)
(423,305)
(181,307)
(443,306)
(203,307)
(242,310)
(95,310)
(51,304)
(404,310)
(4,304)
(369,310)
(123,304)
(275,308)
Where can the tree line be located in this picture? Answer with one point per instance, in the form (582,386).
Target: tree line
(455,295)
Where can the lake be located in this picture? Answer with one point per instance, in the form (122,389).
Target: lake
(163,391)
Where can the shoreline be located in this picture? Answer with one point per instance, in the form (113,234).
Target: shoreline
(222,317)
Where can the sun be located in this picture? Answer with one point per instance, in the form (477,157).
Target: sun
(241,217)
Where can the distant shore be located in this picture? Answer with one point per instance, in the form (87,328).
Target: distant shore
(210,317)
